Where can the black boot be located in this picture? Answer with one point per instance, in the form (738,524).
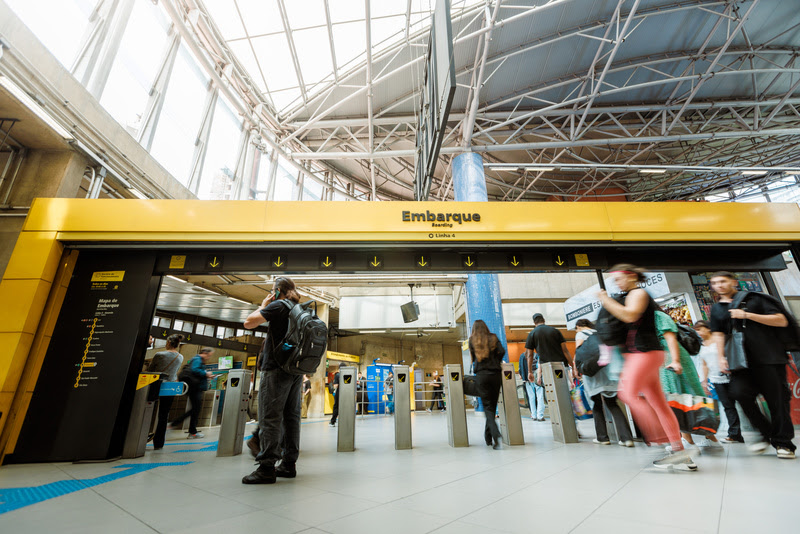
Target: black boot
(285,470)
(263,475)
(254,445)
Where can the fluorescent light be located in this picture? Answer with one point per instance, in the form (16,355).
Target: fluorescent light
(35,108)
(542,169)
(753,173)
(371,331)
(177,279)
(135,192)
(242,301)
(652,171)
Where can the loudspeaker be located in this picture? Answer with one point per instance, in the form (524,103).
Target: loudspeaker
(410,312)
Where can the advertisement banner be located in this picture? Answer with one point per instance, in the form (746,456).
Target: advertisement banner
(585,304)
(794,386)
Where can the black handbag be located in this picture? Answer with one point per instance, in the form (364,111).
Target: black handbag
(470,385)
(611,330)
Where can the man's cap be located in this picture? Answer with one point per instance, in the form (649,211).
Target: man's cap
(538,316)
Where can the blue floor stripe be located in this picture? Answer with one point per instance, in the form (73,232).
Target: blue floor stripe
(15,498)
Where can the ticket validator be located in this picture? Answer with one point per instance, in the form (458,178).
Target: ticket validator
(234,412)
(556,391)
(456,408)
(402,407)
(508,407)
(347,410)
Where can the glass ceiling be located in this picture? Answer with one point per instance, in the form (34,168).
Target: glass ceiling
(294,48)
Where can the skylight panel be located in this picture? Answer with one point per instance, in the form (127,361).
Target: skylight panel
(261,16)
(226,17)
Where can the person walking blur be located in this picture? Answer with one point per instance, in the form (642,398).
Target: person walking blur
(196,377)
(388,389)
(640,387)
(334,385)
(761,319)
(534,390)
(549,344)
(487,353)
(361,395)
(718,383)
(166,362)
(306,396)
(678,374)
(438,392)
(600,388)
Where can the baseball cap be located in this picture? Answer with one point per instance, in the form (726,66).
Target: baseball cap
(537,316)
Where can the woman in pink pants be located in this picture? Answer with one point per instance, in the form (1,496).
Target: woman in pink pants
(640,386)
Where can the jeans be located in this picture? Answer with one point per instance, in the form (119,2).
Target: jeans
(599,416)
(196,399)
(640,389)
(279,406)
(390,402)
(489,384)
(335,413)
(536,399)
(729,405)
(164,405)
(769,381)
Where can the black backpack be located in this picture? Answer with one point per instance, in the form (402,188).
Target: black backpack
(790,334)
(587,356)
(689,339)
(611,331)
(303,347)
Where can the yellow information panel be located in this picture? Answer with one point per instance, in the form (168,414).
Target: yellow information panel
(342,357)
(177,262)
(251,360)
(145,379)
(108,276)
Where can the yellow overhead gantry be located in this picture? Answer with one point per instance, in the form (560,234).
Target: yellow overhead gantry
(39,271)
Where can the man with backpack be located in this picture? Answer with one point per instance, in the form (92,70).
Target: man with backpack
(765,327)
(280,392)
(535,391)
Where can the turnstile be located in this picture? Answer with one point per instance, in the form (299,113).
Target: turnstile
(346,439)
(508,404)
(556,391)
(456,408)
(234,412)
(402,407)
(144,401)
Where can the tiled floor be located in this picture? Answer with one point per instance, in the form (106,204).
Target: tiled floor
(543,486)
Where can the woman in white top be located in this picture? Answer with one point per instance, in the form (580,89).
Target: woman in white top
(720,381)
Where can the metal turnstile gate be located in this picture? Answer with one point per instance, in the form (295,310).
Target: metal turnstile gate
(234,412)
(559,403)
(144,401)
(456,408)
(508,404)
(402,407)
(346,439)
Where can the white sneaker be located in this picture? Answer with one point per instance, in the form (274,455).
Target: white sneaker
(601,442)
(686,446)
(758,447)
(785,453)
(628,443)
(676,459)
(712,446)
(196,436)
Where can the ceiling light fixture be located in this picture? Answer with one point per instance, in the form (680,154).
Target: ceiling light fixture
(26,100)
(652,171)
(753,173)
(177,279)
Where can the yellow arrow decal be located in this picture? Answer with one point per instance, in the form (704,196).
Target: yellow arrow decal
(327,262)
(559,262)
(375,262)
(214,263)
(514,261)
(278,263)
(163,333)
(422,262)
(469,262)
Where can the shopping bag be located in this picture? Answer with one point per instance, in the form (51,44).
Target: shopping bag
(734,351)
(580,404)
(695,414)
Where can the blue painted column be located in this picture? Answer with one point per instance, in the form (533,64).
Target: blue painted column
(482,290)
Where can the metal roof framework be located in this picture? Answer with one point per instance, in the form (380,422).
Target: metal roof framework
(616,85)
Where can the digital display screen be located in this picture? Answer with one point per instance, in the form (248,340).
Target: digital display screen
(225,362)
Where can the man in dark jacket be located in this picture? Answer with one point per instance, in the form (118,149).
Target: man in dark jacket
(761,319)
(280,394)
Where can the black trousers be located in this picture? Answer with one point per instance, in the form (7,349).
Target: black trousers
(769,381)
(362,402)
(164,405)
(335,413)
(438,397)
(599,416)
(489,384)
(196,398)
(729,405)
(279,405)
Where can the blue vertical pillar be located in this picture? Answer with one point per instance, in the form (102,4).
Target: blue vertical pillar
(482,290)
